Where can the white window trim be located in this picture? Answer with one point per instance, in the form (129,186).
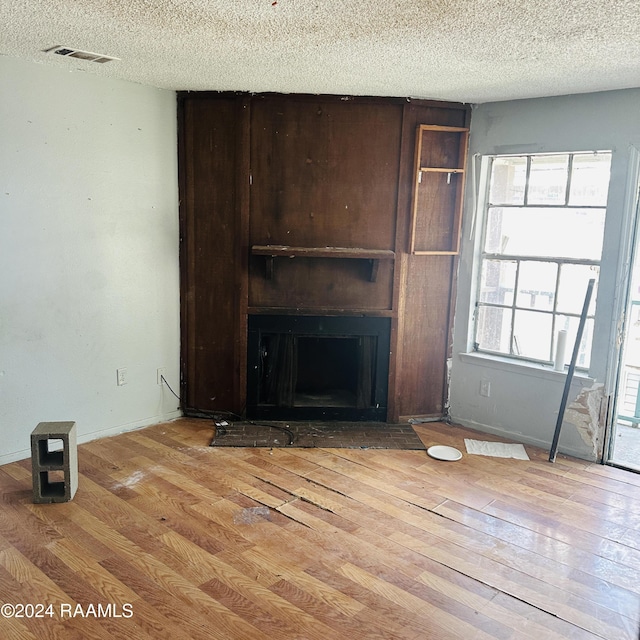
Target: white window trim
(519,366)
(480,193)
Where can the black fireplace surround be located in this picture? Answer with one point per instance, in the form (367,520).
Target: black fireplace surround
(317,367)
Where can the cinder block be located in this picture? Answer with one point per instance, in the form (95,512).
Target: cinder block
(55,473)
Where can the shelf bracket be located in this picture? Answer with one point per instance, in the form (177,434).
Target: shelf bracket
(268,266)
(373,274)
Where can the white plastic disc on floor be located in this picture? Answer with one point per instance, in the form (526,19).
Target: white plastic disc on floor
(442,452)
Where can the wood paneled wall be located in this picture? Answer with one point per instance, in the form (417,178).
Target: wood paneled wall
(306,171)
(213,158)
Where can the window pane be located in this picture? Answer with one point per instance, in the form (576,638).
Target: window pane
(590,179)
(570,325)
(498,281)
(537,285)
(532,335)
(544,212)
(493,329)
(574,279)
(548,179)
(496,228)
(508,178)
(530,231)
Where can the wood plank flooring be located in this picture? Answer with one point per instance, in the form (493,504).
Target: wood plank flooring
(170,538)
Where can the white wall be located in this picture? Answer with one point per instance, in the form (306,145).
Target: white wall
(89,276)
(524,401)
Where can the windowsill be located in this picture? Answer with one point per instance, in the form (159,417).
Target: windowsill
(522,367)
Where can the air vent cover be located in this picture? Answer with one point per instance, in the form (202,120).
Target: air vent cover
(82,55)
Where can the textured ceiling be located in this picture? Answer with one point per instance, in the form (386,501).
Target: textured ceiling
(461,50)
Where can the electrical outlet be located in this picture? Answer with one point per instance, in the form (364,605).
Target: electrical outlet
(161,373)
(485,388)
(122,377)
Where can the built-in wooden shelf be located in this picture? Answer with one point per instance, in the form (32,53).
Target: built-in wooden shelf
(272,251)
(441,154)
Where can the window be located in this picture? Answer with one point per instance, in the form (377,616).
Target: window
(542,242)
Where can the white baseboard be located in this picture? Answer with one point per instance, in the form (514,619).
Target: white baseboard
(521,438)
(23,454)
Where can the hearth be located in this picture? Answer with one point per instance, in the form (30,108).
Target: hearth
(317,367)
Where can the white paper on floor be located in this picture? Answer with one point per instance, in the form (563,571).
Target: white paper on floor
(496,449)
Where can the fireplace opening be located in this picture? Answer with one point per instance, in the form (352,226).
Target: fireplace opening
(327,372)
(316,371)
(317,368)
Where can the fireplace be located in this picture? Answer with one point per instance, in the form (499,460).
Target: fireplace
(317,367)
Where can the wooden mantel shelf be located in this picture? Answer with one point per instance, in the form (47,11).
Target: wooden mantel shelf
(271,251)
(282,251)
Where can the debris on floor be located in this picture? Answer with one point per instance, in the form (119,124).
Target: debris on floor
(496,449)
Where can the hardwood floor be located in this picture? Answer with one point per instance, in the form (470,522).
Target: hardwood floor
(170,538)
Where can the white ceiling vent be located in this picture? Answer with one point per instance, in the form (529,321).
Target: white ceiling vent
(82,55)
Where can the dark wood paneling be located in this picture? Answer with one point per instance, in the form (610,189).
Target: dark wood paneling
(425,336)
(436,212)
(423,288)
(212,269)
(243,170)
(441,149)
(302,283)
(324,172)
(444,114)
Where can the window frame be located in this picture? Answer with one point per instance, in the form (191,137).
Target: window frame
(483,207)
